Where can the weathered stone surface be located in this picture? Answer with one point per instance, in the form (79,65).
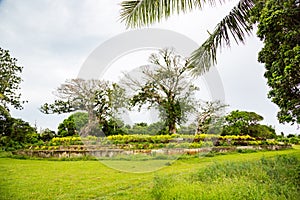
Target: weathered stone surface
(80,151)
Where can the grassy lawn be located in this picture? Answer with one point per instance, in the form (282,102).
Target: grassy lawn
(44,179)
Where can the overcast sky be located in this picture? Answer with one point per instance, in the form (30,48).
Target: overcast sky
(53,38)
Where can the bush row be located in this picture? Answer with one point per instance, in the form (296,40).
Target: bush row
(157,141)
(127,139)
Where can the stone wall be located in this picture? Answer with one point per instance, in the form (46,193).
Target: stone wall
(86,151)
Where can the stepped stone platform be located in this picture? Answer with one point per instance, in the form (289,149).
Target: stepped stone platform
(82,150)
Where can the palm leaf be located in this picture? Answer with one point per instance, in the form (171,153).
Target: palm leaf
(236,24)
(138,13)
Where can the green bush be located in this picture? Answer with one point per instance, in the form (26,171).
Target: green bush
(294,140)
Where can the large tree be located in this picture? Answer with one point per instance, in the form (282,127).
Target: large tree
(246,123)
(100,99)
(278,23)
(279,28)
(166,85)
(9,81)
(238,122)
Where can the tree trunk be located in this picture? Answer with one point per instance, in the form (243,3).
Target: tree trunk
(172,128)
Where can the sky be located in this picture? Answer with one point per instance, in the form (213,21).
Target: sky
(53,38)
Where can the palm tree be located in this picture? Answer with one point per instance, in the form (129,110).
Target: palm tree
(138,13)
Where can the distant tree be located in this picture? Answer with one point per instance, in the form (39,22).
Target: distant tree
(290,135)
(100,99)
(144,128)
(47,134)
(138,128)
(20,129)
(188,129)
(113,127)
(5,121)
(142,124)
(9,81)
(67,127)
(166,85)
(209,117)
(81,119)
(156,127)
(17,134)
(246,123)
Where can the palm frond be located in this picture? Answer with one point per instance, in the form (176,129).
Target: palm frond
(138,13)
(236,24)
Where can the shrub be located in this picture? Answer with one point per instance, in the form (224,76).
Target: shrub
(294,140)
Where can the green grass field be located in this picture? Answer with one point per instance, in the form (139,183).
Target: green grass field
(187,178)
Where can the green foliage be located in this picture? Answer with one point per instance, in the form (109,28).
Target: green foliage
(80,119)
(189,129)
(167,87)
(16,134)
(5,121)
(47,135)
(246,123)
(291,138)
(186,141)
(243,118)
(67,127)
(294,140)
(263,131)
(100,99)
(279,29)
(113,127)
(9,81)
(143,128)
(235,26)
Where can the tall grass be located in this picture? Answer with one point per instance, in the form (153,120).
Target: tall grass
(268,178)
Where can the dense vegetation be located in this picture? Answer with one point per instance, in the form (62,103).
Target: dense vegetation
(239,128)
(100,101)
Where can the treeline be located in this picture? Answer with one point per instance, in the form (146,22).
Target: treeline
(168,88)
(17,133)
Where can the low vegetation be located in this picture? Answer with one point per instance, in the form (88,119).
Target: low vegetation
(267,178)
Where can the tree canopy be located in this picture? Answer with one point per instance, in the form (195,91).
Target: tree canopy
(279,29)
(100,99)
(10,80)
(166,85)
(246,123)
